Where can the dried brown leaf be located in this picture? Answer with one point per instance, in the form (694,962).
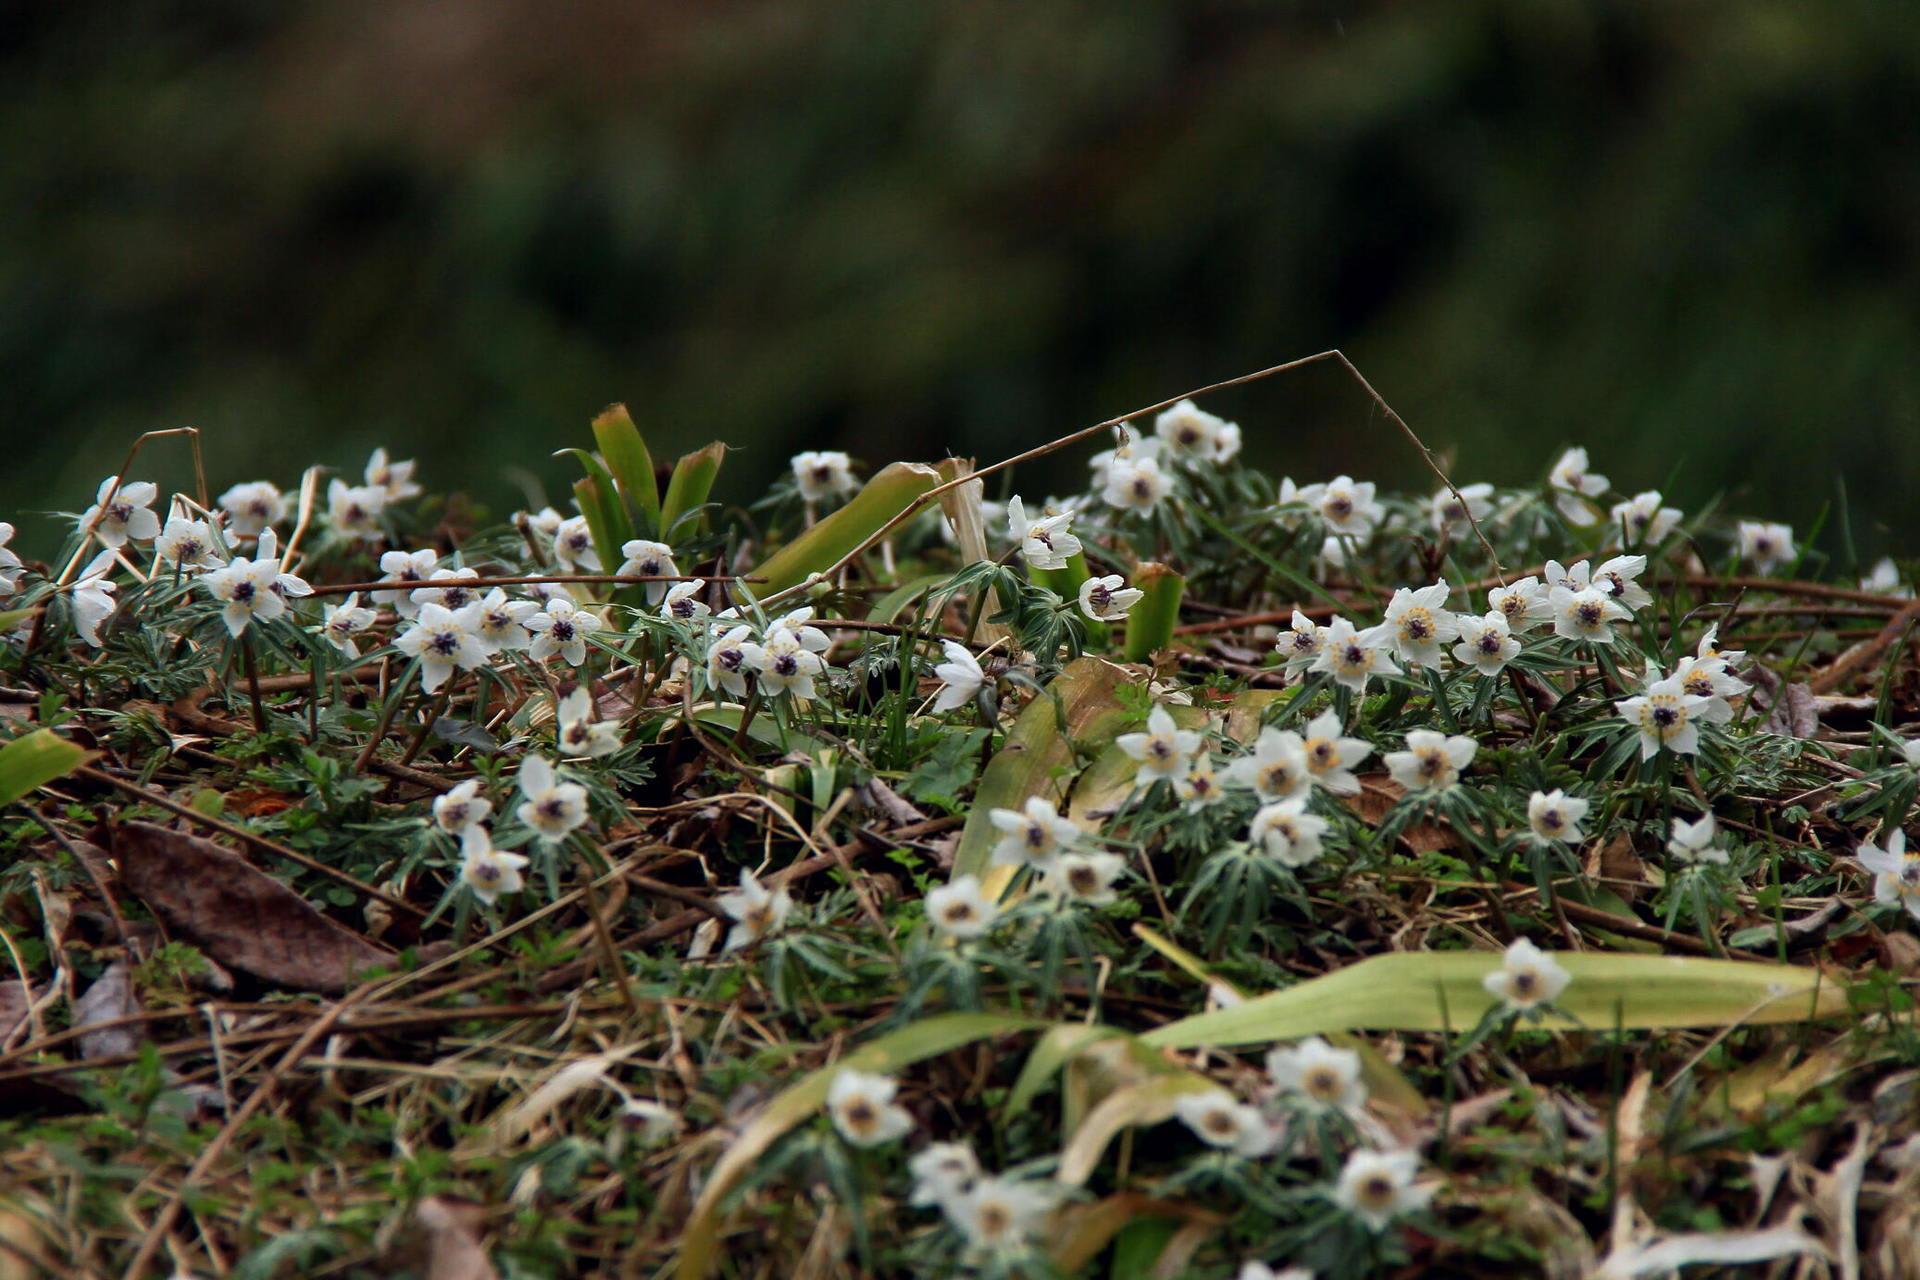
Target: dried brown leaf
(1379,793)
(238,914)
(110,997)
(1793,714)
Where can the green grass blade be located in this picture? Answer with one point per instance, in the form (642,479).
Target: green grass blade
(627,458)
(1440,991)
(35,760)
(688,487)
(924,1039)
(896,488)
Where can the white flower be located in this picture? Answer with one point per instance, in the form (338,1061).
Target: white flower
(343,622)
(1136,485)
(187,545)
(1693,841)
(545,522)
(1585,615)
(354,510)
(486,870)
(1666,715)
(1127,448)
(1191,434)
(783,664)
(409,569)
(1219,1120)
(500,623)
(1556,816)
(1523,604)
(250,589)
(395,479)
(1643,521)
(1300,643)
(1104,599)
(93,600)
(1767,546)
(120,513)
(1709,678)
(1335,550)
(560,628)
(1326,1078)
(1330,757)
(646,559)
(1277,769)
(252,507)
(442,640)
(1352,657)
(812,639)
(461,808)
(863,1108)
(1432,761)
(573,546)
(960,677)
(1199,786)
(1884,579)
(1896,873)
(960,910)
(1573,485)
(552,808)
(1165,751)
(823,474)
(1001,1215)
(1046,541)
(681,604)
(449,588)
(10,567)
(942,1172)
(1417,622)
(577,733)
(1617,578)
(1032,835)
(1287,832)
(756,910)
(1255,1270)
(1709,647)
(1377,1186)
(727,661)
(1486,643)
(1086,878)
(1346,508)
(1527,976)
(1448,514)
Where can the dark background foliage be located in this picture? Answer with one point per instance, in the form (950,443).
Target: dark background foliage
(1683,234)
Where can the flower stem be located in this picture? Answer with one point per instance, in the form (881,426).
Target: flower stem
(387,712)
(248,664)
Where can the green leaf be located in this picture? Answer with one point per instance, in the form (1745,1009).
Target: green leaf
(1442,991)
(688,487)
(895,489)
(1040,743)
(632,466)
(35,760)
(943,776)
(1152,619)
(923,1039)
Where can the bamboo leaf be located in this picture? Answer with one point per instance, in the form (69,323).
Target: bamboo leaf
(688,487)
(1441,991)
(1038,752)
(1151,622)
(892,491)
(923,1039)
(627,458)
(35,760)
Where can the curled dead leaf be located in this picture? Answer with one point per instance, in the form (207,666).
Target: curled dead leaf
(1379,793)
(238,914)
(110,998)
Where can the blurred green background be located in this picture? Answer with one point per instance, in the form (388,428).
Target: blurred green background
(1687,235)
